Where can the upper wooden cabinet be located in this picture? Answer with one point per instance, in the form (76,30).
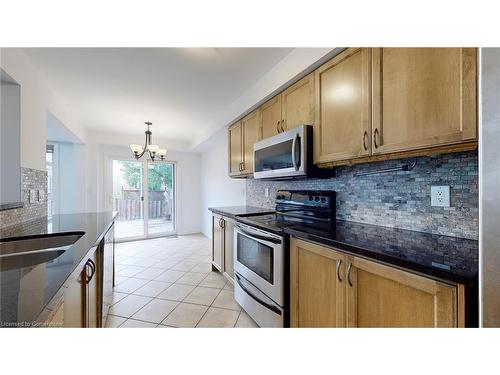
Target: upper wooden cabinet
(298,103)
(241,138)
(270,117)
(342,129)
(293,107)
(423,97)
(330,288)
(251,134)
(235,153)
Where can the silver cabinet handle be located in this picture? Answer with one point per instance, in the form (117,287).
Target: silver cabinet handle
(282,123)
(91,264)
(338,270)
(278,127)
(222,223)
(349,269)
(364,140)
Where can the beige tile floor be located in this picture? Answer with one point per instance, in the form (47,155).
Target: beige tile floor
(168,282)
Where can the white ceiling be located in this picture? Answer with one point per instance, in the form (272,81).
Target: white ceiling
(183,91)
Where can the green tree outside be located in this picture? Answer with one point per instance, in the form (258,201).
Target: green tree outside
(160,175)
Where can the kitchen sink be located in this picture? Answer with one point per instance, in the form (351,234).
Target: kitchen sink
(30,251)
(28,259)
(44,243)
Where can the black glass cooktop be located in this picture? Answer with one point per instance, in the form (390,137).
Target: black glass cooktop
(276,223)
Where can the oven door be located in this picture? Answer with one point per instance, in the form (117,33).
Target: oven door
(259,259)
(283,155)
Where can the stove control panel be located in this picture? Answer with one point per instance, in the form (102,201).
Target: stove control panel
(311,198)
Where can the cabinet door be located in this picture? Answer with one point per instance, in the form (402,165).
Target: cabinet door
(423,97)
(251,134)
(217,242)
(229,248)
(383,296)
(342,128)
(93,282)
(107,272)
(235,146)
(74,301)
(270,117)
(297,103)
(317,286)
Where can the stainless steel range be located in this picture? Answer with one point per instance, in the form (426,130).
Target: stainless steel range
(261,245)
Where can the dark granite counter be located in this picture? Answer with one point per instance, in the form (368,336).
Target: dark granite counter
(233,211)
(448,258)
(25,292)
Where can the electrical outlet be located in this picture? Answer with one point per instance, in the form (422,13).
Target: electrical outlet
(440,196)
(266,192)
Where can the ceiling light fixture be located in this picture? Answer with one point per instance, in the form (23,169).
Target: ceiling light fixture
(153,150)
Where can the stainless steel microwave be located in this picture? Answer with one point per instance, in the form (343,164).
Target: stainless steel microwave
(285,155)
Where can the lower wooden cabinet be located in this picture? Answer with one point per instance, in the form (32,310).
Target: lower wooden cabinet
(223,245)
(332,289)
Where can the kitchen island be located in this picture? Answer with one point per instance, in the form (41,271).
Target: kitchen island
(71,290)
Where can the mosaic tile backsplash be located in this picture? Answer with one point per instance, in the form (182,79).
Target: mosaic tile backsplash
(396,199)
(31,179)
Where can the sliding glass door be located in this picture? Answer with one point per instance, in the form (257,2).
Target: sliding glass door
(143,215)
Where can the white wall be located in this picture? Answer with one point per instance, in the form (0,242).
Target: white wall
(37,98)
(99,178)
(217,189)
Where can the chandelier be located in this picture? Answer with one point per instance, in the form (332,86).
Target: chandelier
(153,150)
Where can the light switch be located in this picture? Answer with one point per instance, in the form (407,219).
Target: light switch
(440,196)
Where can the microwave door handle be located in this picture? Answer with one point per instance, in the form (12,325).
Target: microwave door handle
(265,304)
(294,146)
(258,236)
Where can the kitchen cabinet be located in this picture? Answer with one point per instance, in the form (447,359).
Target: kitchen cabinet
(235,155)
(223,245)
(270,117)
(217,242)
(384,296)
(317,286)
(74,300)
(330,288)
(91,291)
(291,108)
(423,97)
(241,138)
(342,127)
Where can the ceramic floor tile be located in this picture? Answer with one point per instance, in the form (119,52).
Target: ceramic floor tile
(131,323)
(191,278)
(184,266)
(113,321)
(130,271)
(176,292)
(202,267)
(149,273)
(170,276)
(214,280)
(120,279)
(130,285)
(155,311)
(152,288)
(117,296)
(166,264)
(202,296)
(129,305)
(226,300)
(185,315)
(244,321)
(218,318)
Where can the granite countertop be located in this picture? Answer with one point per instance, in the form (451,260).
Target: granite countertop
(448,258)
(25,292)
(234,211)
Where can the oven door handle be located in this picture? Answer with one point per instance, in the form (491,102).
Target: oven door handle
(258,236)
(265,304)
